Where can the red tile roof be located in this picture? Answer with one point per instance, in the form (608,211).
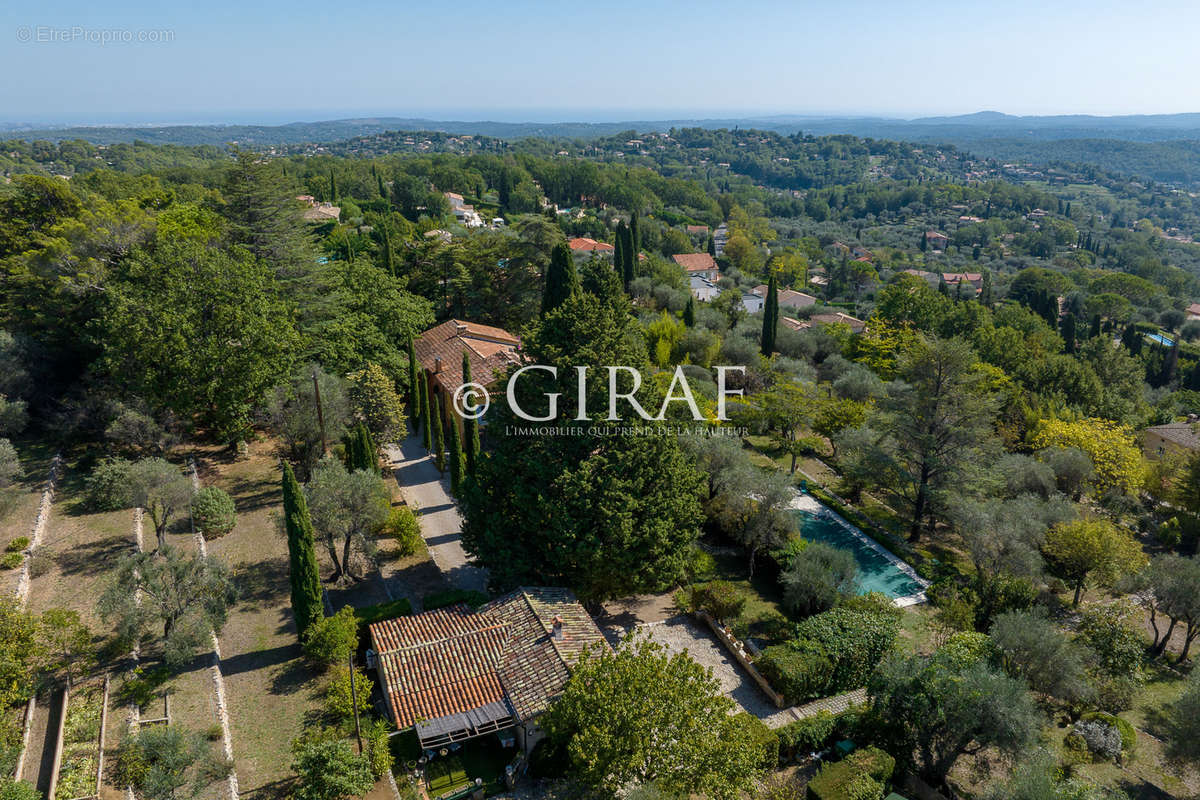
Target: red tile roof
(491,351)
(695,262)
(454,659)
(583,244)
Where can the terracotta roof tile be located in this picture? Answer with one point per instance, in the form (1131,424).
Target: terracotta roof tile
(491,351)
(694,262)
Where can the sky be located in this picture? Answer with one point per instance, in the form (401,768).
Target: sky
(269,61)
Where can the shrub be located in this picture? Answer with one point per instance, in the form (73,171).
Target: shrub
(213,512)
(402,525)
(720,598)
(838,780)
(763,738)
(797,670)
(377,748)
(17,790)
(449,597)
(805,735)
(332,639)
(1128,735)
(339,694)
(701,566)
(12,560)
(108,487)
(392,608)
(17,545)
(816,578)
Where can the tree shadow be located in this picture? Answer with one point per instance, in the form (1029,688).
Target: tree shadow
(263,582)
(253,494)
(93,558)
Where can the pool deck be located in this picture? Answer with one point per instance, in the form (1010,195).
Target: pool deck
(809,504)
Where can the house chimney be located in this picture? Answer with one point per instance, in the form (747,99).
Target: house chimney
(460,327)
(437,365)
(558,629)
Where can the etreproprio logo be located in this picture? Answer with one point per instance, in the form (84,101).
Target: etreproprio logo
(472,400)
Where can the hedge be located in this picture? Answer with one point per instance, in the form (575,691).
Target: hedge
(763,739)
(833,651)
(449,597)
(393,608)
(834,780)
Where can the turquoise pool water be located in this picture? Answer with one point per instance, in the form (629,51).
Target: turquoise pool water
(1158,337)
(877,569)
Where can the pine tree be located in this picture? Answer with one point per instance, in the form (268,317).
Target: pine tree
(305,580)
(470,426)
(439,441)
(423,385)
(689,312)
(770,318)
(457,460)
(562,281)
(414,392)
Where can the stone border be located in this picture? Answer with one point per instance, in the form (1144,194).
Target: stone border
(58,744)
(30,709)
(825,511)
(739,655)
(39,527)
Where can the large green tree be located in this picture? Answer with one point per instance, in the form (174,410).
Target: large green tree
(200,331)
(643,716)
(562,280)
(608,507)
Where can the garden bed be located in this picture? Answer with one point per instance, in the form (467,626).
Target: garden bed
(79,761)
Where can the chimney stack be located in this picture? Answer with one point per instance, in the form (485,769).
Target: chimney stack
(558,629)
(437,365)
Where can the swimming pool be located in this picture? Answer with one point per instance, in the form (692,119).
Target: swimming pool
(878,570)
(1158,337)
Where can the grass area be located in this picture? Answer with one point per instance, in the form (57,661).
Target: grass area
(445,775)
(483,759)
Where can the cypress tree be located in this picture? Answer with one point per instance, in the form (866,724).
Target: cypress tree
(635,239)
(439,441)
(630,259)
(1170,365)
(1095,331)
(414,392)
(689,312)
(305,580)
(354,456)
(943,289)
(382,188)
(367,453)
(385,246)
(1067,328)
(619,250)
(423,387)
(712,246)
(562,281)
(470,426)
(457,460)
(985,291)
(770,318)
(332,188)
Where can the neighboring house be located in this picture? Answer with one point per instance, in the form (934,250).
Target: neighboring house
(1174,438)
(701,264)
(454,674)
(702,288)
(752,303)
(975,279)
(697,230)
(319,212)
(590,247)
(932,278)
(936,241)
(787,297)
(439,352)
(1193,311)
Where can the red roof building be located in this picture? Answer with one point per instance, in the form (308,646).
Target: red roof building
(581,244)
(697,264)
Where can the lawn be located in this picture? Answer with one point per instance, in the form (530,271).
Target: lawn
(483,759)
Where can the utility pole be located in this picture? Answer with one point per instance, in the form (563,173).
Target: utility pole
(321,421)
(354,702)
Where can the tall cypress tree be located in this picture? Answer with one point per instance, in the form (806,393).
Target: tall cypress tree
(414,391)
(470,426)
(619,250)
(985,290)
(332,188)
(368,454)
(382,187)
(1170,365)
(439,441)
(1067,328)
(457,460)
(689,312)
(635,238)
(562,281)
(385,252)
(770,318)
(712,246)
(423,388)
(630,261)
(305,580)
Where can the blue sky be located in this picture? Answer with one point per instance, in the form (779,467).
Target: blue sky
(279,61)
